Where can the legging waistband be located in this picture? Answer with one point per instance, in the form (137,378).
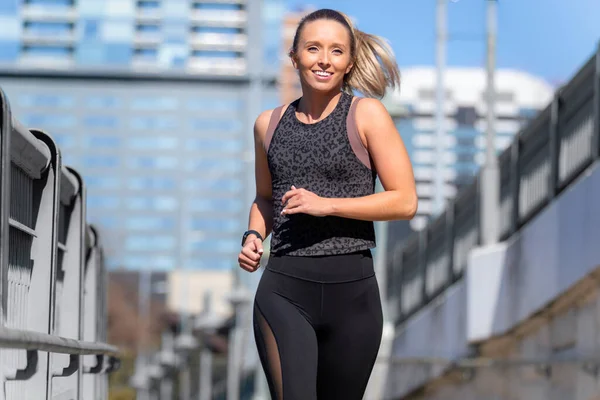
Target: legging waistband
(337,268)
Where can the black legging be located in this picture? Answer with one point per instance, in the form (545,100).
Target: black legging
(318,325)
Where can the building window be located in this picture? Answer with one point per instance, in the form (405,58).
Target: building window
(216,205)
(148,4)
(101,161)
(152,143)
(102,182)
(216,246)
(149,223)
(101,121)
(64,141)
(156,203)
(217,6)
(45,100)
(216,54)
(154,103)
(153,123)
(466,116)
(223,185)
(215,225)
(103,202)
(49,121)
(215,104)
(211,167)
(148,28)
(98,102)
(217,125)
(153,162)
(47,51)
(51,2)
(102,141)
(217,29)
(155,183)
(222,145)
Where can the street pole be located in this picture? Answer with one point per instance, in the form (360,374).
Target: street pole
(144,288)
(489,184)
(438,173)
(205,390)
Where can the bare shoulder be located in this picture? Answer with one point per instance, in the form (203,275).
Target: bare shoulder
(369,107)
(371,113)
(262,124)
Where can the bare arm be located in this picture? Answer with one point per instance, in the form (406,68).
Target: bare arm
(261,219)
(390,158)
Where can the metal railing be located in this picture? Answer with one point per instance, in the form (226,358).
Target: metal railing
(52,277)
(547,156)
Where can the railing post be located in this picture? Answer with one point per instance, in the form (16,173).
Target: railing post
(596,110)
(5,128)
(554,146)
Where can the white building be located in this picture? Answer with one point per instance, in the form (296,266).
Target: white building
(519,97)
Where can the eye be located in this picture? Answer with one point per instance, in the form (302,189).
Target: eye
(313,48)
(338,51)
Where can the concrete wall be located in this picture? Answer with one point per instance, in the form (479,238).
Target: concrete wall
(571,334)
(507,287)
(510,282)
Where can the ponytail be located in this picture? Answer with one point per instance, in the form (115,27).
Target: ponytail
(375,68)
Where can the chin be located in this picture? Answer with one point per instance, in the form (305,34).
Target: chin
(325,87)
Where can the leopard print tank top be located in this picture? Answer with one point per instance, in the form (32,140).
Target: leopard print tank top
(328,159)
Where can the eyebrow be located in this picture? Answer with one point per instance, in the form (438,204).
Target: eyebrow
(310,42)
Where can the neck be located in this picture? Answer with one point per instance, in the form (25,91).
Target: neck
(318,105)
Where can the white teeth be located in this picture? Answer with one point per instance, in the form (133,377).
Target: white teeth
(322,73)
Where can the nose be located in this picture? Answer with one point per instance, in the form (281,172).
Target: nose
(324,58)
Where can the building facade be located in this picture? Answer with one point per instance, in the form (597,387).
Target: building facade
(153,102)
(187,36)
(519,97)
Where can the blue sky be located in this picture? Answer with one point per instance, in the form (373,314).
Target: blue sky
(547,38)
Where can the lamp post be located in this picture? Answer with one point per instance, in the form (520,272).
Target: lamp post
(207,323)
(239,298)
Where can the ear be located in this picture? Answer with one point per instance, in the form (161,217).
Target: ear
(349,68)
(293,59)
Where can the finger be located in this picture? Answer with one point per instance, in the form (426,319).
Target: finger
(293,203)
(259,246)
(247,263)
(295,210)
(250,253)
(289,194)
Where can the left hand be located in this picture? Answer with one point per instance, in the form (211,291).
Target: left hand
(306,202)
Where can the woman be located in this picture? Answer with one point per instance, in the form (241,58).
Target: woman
(317,312)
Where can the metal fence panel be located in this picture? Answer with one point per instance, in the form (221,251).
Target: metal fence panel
(32,259)
(438,256)
(466,227)
(68,294)
(534,166)
(412,276)
(42,235)
(576,124)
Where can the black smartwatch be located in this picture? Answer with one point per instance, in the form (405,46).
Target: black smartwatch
(251,232)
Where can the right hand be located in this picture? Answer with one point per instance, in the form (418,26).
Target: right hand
(249,257)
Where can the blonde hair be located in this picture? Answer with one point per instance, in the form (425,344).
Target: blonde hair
(375,68)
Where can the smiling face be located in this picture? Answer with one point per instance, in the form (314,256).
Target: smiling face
(323,55)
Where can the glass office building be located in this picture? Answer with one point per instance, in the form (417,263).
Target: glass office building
(519,98)
(153,102)
(187,36)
